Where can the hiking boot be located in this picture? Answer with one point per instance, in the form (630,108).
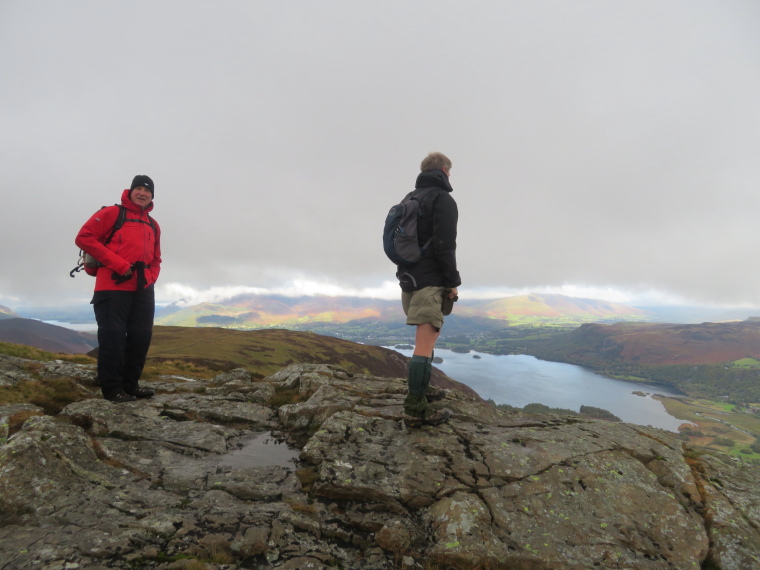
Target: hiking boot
(121,397)
(433,394)
(142,393)
(434,419)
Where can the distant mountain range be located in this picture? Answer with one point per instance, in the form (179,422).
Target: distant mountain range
(47,337)
(259,311)
(535,307)
(254,311)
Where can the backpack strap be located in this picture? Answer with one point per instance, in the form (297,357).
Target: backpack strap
(421,194)
(150,221)
(117,225)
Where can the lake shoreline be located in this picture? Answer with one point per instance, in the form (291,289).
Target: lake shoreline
(519,380)
(665,385)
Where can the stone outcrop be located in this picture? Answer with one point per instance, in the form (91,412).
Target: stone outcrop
(173,482)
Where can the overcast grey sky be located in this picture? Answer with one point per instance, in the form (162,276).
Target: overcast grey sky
(599,148)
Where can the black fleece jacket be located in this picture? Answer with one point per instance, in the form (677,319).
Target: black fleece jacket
(438,266)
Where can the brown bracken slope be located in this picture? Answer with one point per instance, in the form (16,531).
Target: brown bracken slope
(651,343)
(263,352)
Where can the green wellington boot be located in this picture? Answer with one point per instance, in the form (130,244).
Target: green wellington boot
(433,393)
(417,410)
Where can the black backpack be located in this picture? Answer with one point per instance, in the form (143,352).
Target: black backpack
(400,240)
(88,262)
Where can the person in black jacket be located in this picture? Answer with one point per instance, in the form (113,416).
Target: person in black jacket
(429,287)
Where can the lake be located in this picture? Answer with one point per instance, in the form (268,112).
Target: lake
(81,327)
(519,380)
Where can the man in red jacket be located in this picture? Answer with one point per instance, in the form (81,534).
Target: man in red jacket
(124,300)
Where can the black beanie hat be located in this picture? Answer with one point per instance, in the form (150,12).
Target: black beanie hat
(143,180)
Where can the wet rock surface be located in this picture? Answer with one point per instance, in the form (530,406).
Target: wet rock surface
(150,484)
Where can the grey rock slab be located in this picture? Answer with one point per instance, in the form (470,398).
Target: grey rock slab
(221,410)
(45,465)
(70,370)
(731,494)
(14,370)
(131,485)
(143,420)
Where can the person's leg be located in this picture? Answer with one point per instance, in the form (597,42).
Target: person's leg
(423,309)
(111,313)
(424,340)
(139,335)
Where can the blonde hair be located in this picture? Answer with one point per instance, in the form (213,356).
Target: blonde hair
(435,161)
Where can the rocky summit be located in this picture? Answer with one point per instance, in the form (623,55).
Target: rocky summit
(179,482)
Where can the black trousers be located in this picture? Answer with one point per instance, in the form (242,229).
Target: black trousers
(125,328)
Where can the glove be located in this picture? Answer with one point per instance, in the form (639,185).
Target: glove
(121,278)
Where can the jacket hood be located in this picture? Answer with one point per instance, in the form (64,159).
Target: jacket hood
(434,179)
(131,206)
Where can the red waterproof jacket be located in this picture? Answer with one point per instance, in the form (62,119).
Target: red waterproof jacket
(135,241)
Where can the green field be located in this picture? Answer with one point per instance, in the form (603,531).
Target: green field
(718,425)
(746,363)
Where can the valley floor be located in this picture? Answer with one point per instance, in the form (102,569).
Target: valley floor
(717,425)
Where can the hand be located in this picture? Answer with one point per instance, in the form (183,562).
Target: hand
(123,277)
(453,293)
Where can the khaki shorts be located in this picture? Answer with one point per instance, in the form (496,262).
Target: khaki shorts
(423,306)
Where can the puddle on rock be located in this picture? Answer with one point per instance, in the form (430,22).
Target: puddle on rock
(264,450)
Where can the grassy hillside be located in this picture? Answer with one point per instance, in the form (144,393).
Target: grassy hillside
(33,353)
(263,352)
(653,343)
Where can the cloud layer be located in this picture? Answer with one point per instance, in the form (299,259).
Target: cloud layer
(610,146)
